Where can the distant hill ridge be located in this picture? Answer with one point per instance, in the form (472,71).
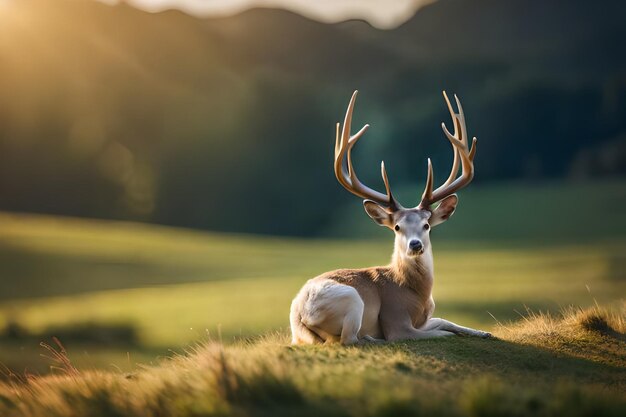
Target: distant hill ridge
(110,111)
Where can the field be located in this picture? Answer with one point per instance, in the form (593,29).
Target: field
(573,365)
(126,300)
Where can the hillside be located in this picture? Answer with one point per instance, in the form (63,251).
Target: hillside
(571,365)
(113,112)
(121,293)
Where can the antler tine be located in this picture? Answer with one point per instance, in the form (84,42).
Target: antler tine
(455,163)
(463,154)
(461,118)
(428,190)
(383,173)
(337,143)
(346,175)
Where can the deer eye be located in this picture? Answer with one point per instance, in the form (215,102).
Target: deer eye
(426,226)
(396,228)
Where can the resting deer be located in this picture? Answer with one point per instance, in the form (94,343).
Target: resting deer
(394,302)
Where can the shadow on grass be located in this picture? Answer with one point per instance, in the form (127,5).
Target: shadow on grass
(504,378)
(460,376)
(512,361)
(24,352)
(32,270)
(102,334)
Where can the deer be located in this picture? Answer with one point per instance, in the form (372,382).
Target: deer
(394,302)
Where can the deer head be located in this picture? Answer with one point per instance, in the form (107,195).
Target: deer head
(411,225)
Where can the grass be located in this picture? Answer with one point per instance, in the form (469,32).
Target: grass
(127,300)
(545,365)
(174,287)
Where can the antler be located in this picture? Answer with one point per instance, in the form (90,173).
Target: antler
(346,175)
(462,153)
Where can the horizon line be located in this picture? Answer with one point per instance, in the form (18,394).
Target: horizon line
(382,18)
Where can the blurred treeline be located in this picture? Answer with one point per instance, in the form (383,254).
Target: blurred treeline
(228,123)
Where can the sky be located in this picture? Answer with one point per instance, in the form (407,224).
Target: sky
(379,13)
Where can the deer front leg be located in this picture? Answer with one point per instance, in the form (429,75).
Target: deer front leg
(397,324)
(448,326)
(416,334)
(369,340)
(404,330)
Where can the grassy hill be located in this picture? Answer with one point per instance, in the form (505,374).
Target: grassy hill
(160,321)
(119,293)
(572,365)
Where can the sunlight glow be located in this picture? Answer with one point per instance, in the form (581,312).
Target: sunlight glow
(5,4)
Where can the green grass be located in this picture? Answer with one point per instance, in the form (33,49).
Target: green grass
(128,300)
(176,287)
(573,365)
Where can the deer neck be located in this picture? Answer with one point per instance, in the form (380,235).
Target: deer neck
(416,273)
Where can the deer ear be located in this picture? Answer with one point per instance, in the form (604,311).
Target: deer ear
(444,210)
(377,213)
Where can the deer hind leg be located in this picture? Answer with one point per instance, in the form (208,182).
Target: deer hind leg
(350,326)
(301,334)
(333,311)
(352,321)
(448,326)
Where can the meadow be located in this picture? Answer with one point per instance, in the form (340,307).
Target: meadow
(211,134)
(568,365)
(200,321)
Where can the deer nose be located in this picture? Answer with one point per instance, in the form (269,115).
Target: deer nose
(416,244)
